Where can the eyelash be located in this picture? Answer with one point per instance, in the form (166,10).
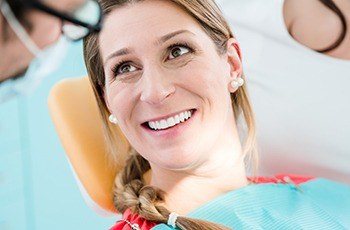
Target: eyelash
(182,44)
(117,66)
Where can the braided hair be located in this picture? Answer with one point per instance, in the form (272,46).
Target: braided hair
(130,192)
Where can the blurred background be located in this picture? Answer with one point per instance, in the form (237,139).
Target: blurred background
(37,187)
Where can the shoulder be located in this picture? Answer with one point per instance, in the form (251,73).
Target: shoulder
(311,23)
(334,197)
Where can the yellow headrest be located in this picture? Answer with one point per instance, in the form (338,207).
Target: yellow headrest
(76,117)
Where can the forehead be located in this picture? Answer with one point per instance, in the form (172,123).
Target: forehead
(144,22)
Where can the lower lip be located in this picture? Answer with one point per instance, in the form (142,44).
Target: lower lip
(173,131)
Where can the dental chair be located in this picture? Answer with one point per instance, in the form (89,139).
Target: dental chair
(74,111)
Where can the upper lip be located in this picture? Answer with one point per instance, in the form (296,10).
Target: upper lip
(167,116)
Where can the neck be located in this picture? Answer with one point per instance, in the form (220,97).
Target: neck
(223,172)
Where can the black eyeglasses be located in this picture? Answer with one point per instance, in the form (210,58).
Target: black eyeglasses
(76,25)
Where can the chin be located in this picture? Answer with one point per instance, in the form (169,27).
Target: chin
(175,161)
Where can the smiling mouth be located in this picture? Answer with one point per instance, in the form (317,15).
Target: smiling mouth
(169,122)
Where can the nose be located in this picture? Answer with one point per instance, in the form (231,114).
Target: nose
(157,86)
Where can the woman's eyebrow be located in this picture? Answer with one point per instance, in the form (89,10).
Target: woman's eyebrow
(171,35)
(161,40)
(121,52)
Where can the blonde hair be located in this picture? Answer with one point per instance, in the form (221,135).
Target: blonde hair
(130,191)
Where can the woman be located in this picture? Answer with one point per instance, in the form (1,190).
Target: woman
(297,57)
(169,73)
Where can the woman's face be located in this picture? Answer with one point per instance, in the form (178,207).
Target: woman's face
(166,83)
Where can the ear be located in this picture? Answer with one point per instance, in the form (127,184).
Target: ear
(234,60)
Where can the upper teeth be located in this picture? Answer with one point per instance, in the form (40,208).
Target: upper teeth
(171,121)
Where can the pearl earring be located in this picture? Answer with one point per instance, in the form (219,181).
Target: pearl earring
(113,119)
(238,82)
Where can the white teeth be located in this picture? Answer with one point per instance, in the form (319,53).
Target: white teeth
(177,119)
(186,115)
(163,124)
(171,121)
(158,125)
(182,117)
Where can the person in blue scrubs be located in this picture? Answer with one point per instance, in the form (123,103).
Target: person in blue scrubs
(31,42)
(36,185)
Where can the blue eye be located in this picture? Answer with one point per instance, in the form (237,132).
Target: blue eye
(178,50)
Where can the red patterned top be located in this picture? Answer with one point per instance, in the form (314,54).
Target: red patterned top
(147,225)
(133,219)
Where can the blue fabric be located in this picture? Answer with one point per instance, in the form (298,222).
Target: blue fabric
(318,204)
(37,187)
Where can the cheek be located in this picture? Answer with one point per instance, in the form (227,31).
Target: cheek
(120,100)
(122,103)
(204,77)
